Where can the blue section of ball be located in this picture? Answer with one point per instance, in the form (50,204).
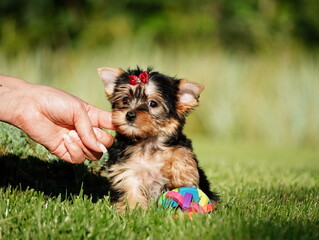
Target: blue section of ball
(192,190)
(197,197)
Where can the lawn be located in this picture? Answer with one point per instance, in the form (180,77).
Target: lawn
(267,192)
(255,133)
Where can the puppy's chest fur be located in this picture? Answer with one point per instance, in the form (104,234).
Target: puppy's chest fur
(147,169)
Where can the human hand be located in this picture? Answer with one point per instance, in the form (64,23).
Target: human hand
(66,125)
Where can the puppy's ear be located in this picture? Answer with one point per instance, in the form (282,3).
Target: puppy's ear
(188,95)
(109,76)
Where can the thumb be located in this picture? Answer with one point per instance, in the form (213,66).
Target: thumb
(100,118)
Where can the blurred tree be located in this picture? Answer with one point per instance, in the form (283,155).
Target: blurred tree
(247,25)
(304,13)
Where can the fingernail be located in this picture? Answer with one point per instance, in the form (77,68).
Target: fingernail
(102,147)
(74,134)
(97,134)
(67,138)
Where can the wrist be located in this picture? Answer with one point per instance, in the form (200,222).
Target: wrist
(12,94)
(12,82)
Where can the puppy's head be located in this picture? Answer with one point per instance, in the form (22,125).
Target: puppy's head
(146,103)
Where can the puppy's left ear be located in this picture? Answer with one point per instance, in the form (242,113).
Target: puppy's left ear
(188,95)
(109,76)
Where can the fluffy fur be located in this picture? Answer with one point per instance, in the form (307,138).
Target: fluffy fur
(151,154)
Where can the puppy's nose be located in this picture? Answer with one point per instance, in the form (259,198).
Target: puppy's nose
(130,116)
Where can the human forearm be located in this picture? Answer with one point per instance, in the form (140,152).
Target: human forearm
(11,90)
(11,82)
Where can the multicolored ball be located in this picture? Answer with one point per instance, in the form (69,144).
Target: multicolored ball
(188,199)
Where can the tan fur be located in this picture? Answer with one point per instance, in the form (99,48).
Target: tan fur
(139,128)
(168,127)
(140,176)
(188,95)
(144,126)
(150,170)
(181,168)
(151,167)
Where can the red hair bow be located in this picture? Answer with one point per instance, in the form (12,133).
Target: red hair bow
(142,78)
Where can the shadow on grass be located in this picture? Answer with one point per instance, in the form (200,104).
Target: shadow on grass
(51,178)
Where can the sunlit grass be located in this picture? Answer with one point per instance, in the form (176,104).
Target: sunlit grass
(254,134)
(267,193)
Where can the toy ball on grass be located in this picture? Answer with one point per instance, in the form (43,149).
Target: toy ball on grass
(188,199)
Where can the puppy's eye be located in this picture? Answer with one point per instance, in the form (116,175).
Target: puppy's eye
(152,104)
(126,100)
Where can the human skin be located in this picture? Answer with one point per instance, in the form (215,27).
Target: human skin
(67,126)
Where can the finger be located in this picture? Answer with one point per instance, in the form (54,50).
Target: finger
(90,154)
(100,118)
(74,153)
(105,138)
(83,127)
(61,151)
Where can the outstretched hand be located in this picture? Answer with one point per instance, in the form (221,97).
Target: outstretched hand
(66,125)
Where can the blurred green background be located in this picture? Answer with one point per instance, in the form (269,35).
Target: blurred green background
(258,59)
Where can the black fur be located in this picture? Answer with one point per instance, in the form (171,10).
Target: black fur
(168,88)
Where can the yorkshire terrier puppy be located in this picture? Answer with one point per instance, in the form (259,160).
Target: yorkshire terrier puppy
(151,154)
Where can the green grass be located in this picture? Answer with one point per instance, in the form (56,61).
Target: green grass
(257,129)
(267,193)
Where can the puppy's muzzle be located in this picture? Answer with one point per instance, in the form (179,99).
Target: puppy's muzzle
(130,116)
